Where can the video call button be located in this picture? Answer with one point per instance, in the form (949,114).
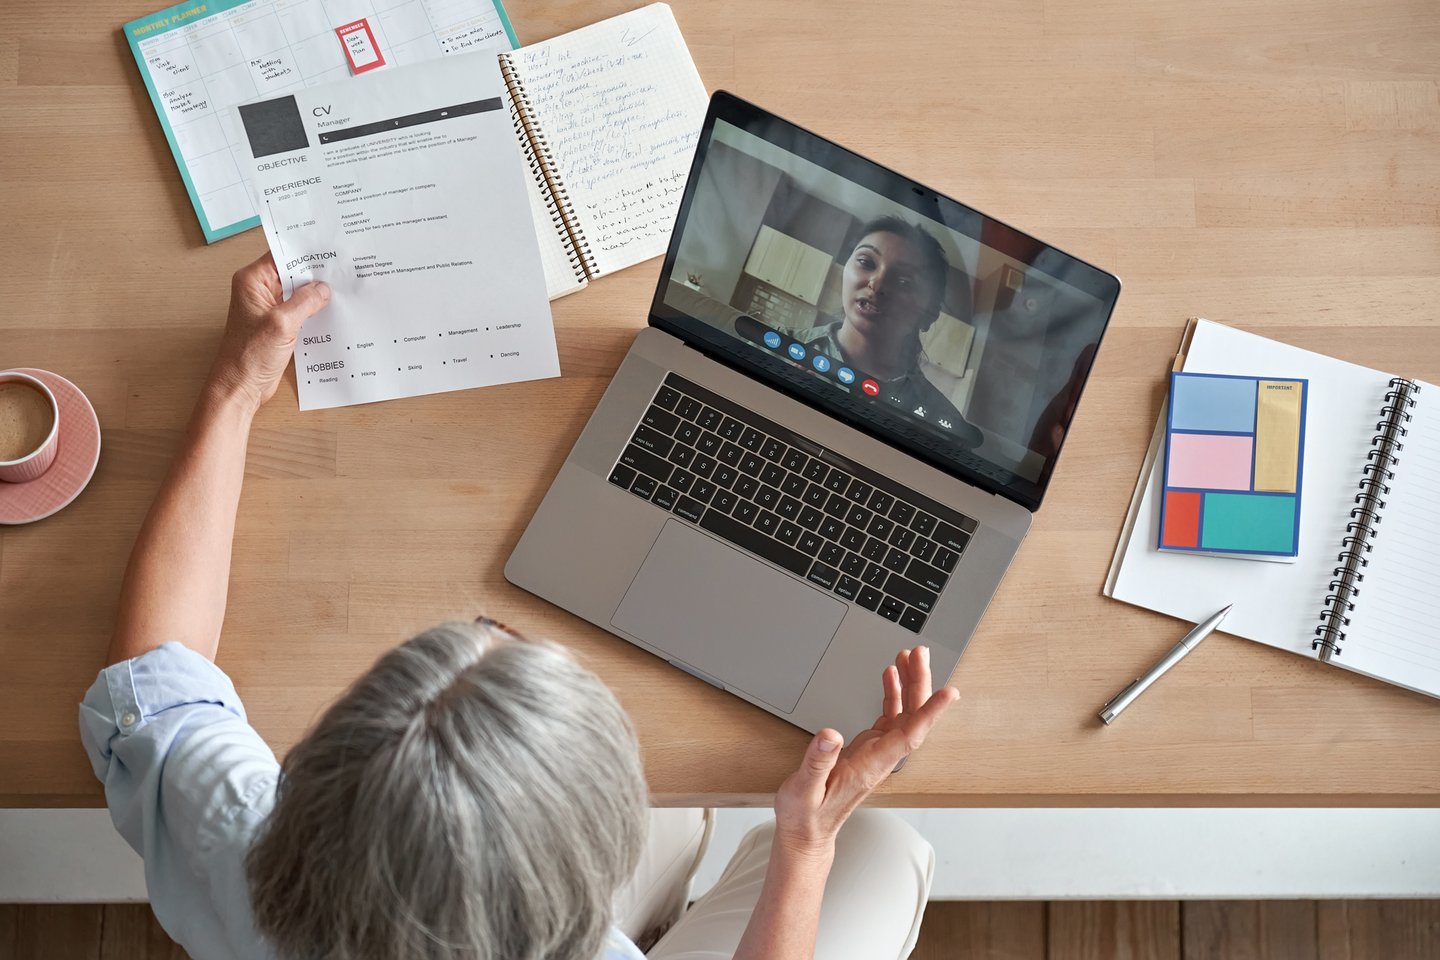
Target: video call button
(757,332)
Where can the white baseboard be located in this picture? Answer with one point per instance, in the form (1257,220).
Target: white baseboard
(1169,854)
(66,856)
(51,856)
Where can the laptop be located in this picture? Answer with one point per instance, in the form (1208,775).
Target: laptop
(830,440)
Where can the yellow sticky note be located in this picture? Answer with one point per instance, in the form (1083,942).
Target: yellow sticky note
(1277,434)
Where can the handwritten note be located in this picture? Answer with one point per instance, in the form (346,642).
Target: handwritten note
(621,105)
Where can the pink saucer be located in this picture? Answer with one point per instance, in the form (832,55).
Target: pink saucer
(74,462)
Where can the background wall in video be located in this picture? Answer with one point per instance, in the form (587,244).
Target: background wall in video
(769,235)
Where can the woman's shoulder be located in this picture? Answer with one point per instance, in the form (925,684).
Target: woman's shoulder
(939,407)
(929,394)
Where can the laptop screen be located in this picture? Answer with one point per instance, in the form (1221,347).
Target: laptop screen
(903,312)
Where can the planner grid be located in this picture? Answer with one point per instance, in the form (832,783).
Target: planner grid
(201,59)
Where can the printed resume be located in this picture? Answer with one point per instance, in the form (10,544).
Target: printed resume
(404,190)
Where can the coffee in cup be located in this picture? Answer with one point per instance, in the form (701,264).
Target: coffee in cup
(28,431)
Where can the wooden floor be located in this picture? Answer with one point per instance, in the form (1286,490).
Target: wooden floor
(1163,930)
(1183,930)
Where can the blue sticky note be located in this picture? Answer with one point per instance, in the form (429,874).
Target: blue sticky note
(1212,403)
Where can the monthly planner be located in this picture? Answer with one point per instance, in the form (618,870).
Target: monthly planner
(201,59)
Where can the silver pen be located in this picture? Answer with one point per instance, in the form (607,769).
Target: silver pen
(1187,643)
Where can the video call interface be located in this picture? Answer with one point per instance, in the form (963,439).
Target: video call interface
(978,348)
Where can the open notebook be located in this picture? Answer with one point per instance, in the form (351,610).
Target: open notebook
(1362,593)
(607,117)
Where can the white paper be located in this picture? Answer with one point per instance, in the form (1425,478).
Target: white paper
(415,213)
(1275,604)
(1394,633)
(621,105)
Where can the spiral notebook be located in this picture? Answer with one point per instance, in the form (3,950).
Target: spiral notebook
(1362,591)
(607,118)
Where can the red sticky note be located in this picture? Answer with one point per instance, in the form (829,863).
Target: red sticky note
(1182,519)
(360,47)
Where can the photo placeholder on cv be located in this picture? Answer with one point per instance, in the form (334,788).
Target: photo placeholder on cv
(273,126)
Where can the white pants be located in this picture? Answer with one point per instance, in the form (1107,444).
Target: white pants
(874,899)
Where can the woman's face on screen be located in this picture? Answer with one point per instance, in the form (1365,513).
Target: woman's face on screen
(885,293)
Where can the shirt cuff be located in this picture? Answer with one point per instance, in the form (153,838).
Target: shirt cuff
(126,695)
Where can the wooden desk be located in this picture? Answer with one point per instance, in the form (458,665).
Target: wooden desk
(1275,165)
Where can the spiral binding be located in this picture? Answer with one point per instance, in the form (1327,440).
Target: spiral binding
(1365,516)
(542,168)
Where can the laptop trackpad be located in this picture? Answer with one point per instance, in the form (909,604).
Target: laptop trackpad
(729,615)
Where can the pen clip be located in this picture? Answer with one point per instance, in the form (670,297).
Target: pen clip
(1122,693)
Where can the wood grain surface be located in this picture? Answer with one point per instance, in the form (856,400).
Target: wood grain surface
(1274,164)
(1015,930)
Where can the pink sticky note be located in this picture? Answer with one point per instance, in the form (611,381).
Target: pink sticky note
(1209,462)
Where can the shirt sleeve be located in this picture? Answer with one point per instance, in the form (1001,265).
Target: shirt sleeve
(188,781)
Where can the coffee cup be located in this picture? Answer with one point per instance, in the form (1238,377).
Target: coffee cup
(29,427)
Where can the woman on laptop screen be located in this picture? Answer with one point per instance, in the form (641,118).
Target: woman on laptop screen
(891,291)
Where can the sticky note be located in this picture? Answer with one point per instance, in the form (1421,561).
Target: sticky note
(1277,435)
(1213,403)
(1234,459)
(1182,519)
(358,41)
(1208,461)
(1253,524)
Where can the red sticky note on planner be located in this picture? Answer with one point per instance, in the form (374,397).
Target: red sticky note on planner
(360,47)
(1182,519)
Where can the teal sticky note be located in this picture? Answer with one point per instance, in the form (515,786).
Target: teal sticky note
(1248,522)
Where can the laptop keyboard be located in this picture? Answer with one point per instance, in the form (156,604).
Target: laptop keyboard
(772,492)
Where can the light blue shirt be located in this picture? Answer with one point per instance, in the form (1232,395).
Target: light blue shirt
(189,783)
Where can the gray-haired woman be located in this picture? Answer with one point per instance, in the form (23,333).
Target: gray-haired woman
(472,796)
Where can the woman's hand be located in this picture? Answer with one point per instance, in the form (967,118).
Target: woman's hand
(261,330)
(813,803)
